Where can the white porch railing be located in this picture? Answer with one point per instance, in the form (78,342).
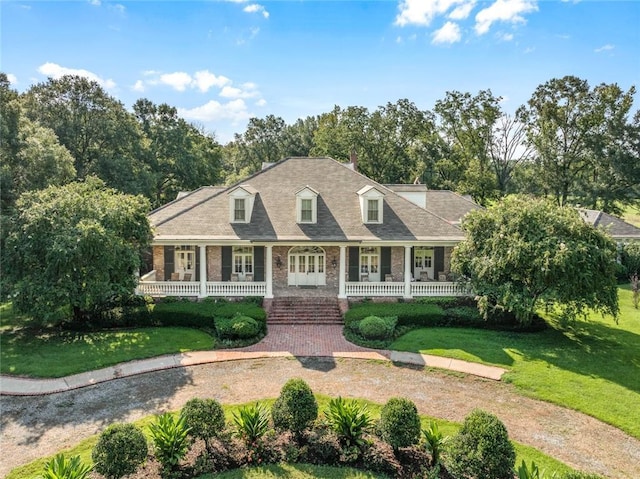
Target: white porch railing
(438,288)
(192,288)
(234,288)
(168,288)
(374,289)
(430,288)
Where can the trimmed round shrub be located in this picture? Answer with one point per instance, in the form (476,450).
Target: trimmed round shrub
(204,418)
(119,451)
(238,327)
(296,408)
(400,423)
(481,449)
(375,327)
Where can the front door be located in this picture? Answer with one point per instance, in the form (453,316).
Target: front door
(369,264)
(185,262)
(306,266)
(423,263)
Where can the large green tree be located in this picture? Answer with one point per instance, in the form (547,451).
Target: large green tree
(75,247)
(467,125)
(586,147)
(524,253)
(178,156)
(100,133)
(31,157)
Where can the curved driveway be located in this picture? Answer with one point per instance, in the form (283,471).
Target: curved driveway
(32,427)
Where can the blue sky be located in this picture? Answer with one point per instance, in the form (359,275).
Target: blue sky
(223,62)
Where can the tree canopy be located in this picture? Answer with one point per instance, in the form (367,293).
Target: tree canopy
(524,253)
(75,248)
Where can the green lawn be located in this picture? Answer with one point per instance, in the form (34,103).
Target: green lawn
(592,366)
(53,353)
(293,471)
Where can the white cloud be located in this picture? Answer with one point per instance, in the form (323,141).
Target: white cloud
(97,3)
(604,48)
(461,12)
(12,78)
(119,8)
(204,80)
(449,33)
(139,86)
(256,8)
(506,37)
(503,11)
(55,71)
(177,80)
(248,91)
(421,12)
(235,110)
(261,102)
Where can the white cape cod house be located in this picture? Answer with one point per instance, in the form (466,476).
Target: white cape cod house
(306,223)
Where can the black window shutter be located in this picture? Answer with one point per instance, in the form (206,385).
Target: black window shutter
(169,262)
(385,261)
(354,263)
(197,250)
(227,259)
(438,260)
(412,261)
(258,261)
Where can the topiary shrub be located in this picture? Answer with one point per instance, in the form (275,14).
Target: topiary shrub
(204,418)
(238,327)
(481,449)
(120,449)
(375,327)
(400,423)
(296,408)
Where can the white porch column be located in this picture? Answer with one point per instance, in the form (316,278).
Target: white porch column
(203,271)
(407,272)
(342,273)
(268,271)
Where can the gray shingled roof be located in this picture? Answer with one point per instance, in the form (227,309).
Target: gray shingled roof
(617,228)
(204,214)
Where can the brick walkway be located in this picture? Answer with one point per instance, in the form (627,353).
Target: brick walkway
(307,340)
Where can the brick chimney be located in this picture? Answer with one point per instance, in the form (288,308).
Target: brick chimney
(353,158)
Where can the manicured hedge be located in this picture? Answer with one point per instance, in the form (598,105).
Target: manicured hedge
(238,327)
(407,313)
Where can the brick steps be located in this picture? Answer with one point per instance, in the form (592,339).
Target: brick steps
(304,311)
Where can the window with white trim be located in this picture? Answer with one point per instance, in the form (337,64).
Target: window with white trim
(306,205)
(239,210)
(371,204)
(242,260)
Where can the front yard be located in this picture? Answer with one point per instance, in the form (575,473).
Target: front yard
(592,366)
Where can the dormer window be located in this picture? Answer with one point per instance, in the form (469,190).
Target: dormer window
(239,210)
(307,205)
(241,201)
(371,201)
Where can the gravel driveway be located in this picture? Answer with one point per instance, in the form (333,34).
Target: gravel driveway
(32,427)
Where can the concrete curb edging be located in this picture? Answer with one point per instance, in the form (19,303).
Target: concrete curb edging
(19,386)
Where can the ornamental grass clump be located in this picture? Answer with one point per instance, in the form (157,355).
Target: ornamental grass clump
(171,440)
(62,468)
(120,450)
(350,420)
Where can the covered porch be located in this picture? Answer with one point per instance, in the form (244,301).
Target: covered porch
(271,270)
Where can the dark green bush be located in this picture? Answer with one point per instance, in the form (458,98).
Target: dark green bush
(400,423)
(481,449)
(120,449)
(296,408)
(231,309)
(183,313)
(204,418)
(238,327)
(407,313)
(445,302)
(464,316)
(375,327)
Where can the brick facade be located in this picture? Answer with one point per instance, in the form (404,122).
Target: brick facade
(158,262)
